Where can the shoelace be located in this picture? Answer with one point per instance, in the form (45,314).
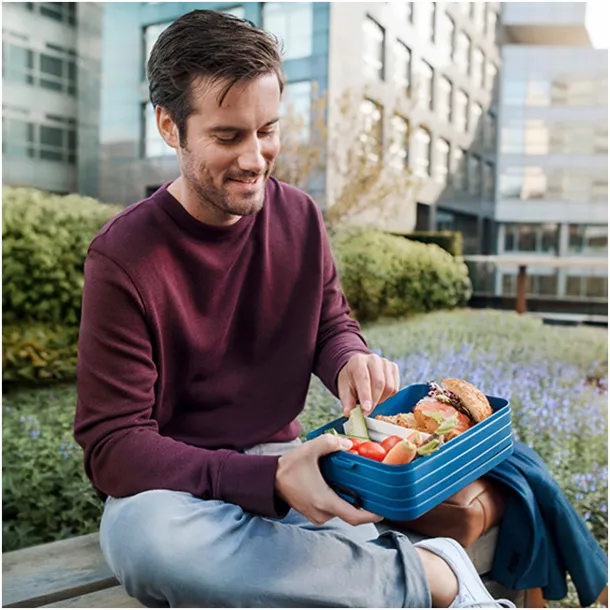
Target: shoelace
(498,603)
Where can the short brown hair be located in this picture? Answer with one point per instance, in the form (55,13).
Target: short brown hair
(207,43)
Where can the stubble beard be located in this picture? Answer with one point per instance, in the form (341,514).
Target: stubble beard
(210,196)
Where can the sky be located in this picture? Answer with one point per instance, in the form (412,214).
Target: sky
(596,20)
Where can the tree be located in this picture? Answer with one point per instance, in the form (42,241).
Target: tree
(368,183)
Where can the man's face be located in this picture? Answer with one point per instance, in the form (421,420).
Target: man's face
(230,150)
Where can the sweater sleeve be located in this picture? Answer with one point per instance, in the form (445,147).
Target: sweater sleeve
(339,336)
(124,452)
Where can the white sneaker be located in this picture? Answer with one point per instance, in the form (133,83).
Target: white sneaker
(471,590)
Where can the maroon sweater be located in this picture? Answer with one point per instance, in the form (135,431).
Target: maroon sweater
(198,341)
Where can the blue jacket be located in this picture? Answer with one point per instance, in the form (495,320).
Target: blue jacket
(541,536)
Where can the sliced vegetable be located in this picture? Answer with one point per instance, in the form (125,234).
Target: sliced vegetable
(402,453)
(430,447)
(356,424)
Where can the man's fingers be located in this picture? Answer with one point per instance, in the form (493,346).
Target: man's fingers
(391,385)
(348,513)
(378,379)
(361,379)
(396,376)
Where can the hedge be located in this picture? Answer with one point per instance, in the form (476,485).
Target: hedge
(451,241)
(44,243)
(384,275)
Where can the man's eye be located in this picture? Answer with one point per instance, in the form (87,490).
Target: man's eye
(268,132)
(230,140)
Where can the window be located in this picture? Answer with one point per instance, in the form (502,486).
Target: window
(296,107)
(588,239)
(587,286)
(442,158)
(461,55)
(372,130)
(444,98)
(511,183)
(477,112)
(600,140)
(404,11)
(477,13)
(153,144)
(461,111)
(399,146)
(491,20)
(489,132)
(427,20)
(17,64)
(57,74)
(538,92)
(150,35)
(512,136)
(423,151)
(374,46)
(59,11)
(402,67)
(35,141)
(489,182)
(490,76)
(541,238)
(293,24)
(426,76)
(478,67)
(569,90)
(534,183)
(474,175)
(536,138)
(446,34)
(459,169)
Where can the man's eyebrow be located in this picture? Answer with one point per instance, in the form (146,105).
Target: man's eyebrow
(231,129)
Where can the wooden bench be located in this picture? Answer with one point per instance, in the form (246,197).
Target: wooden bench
(73,574)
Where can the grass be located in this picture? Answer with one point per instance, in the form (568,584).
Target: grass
(556,379)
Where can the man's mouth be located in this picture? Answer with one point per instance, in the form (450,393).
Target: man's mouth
(246,180)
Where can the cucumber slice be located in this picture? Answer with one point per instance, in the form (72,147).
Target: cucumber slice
(335,433)
(356,424)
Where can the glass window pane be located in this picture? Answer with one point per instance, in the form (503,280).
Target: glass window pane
(373,48)
(296,106)
(292,23)
(399,145)
(426,84)
(442,155)
(53,85)
(402,67)
(51,136)
(423,149)
(444,99)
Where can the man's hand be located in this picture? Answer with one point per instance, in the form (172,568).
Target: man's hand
(298,482)
(367,379)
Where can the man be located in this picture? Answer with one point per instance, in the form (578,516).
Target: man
(206,308)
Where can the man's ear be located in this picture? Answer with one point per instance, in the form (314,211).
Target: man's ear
(167,128)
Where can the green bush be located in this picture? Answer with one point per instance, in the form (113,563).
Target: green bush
(45,493)
(37,353)
(44,243)
(451,241)
(388,276)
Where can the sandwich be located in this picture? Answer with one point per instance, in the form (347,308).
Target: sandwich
(454,400)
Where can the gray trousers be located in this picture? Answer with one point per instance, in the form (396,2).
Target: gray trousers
(172,549)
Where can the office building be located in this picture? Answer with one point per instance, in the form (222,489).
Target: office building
(51,65)
(552,192)
(429,70)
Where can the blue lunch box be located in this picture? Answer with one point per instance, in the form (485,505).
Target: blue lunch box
(405,492)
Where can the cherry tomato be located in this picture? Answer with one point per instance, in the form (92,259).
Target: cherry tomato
(355,442)
(371,450)
(388,443)
(354,451)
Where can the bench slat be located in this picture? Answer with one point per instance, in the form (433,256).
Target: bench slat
(52,572)
(115,597)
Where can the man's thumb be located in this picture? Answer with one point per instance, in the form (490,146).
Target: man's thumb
(328,443)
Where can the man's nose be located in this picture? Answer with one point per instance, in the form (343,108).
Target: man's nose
(251,158)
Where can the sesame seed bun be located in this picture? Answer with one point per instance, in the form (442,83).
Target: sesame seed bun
(471,398)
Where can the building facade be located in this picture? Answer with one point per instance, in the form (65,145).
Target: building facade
(429,70)
(552,191)
(51,61)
